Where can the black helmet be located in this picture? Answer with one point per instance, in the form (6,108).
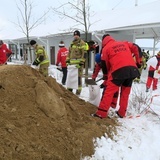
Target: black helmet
(32,42)
(77,33)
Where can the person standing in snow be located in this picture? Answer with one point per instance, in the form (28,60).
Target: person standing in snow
(41,58)
(97,66)
(4,53)
(121,70)
(77,51)
(61,59)
(135,50)
(153,65)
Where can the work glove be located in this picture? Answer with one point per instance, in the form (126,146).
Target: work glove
(138,65)
(41,58)
(67,61)
(8,54)
(81,63)
(105,77)
(78,65)
(102,85)
(36,62)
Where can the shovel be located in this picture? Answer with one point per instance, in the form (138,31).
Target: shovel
(7,59)
(60,69)
(92,82)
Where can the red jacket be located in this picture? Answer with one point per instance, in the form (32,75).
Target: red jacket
(61,56)
(97,68)
(3,53)
(118,59)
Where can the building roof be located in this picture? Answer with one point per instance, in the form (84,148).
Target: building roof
(142,21)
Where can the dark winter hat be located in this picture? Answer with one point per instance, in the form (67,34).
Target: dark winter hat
(61,44)
(32,42)
(76,33)
(105,35)
(98,58)
(1,42)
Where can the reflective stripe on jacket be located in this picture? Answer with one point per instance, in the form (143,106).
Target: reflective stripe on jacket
(39,51)
(77,49)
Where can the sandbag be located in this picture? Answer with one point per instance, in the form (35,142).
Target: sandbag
(94,94)
(72,77)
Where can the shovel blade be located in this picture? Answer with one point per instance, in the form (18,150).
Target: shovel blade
(90,82)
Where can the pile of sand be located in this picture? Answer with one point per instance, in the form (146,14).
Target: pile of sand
(41,120)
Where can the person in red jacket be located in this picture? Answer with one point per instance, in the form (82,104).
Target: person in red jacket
(61,60)
(121,70)
(153,65)
(4,53)
(97,66)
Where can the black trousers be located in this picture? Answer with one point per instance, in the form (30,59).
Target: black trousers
(64,77)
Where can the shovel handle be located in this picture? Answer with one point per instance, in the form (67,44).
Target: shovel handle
(7,59)
(99,79)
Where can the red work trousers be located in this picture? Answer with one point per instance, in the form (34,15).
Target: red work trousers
(151,80)
(113,87)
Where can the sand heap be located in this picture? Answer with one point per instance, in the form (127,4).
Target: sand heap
(41,120)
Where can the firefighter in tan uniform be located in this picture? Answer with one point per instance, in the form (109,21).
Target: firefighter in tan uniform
(77,51)
(41,58)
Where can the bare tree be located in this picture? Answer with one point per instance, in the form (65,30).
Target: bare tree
(78,11)
(26,22)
